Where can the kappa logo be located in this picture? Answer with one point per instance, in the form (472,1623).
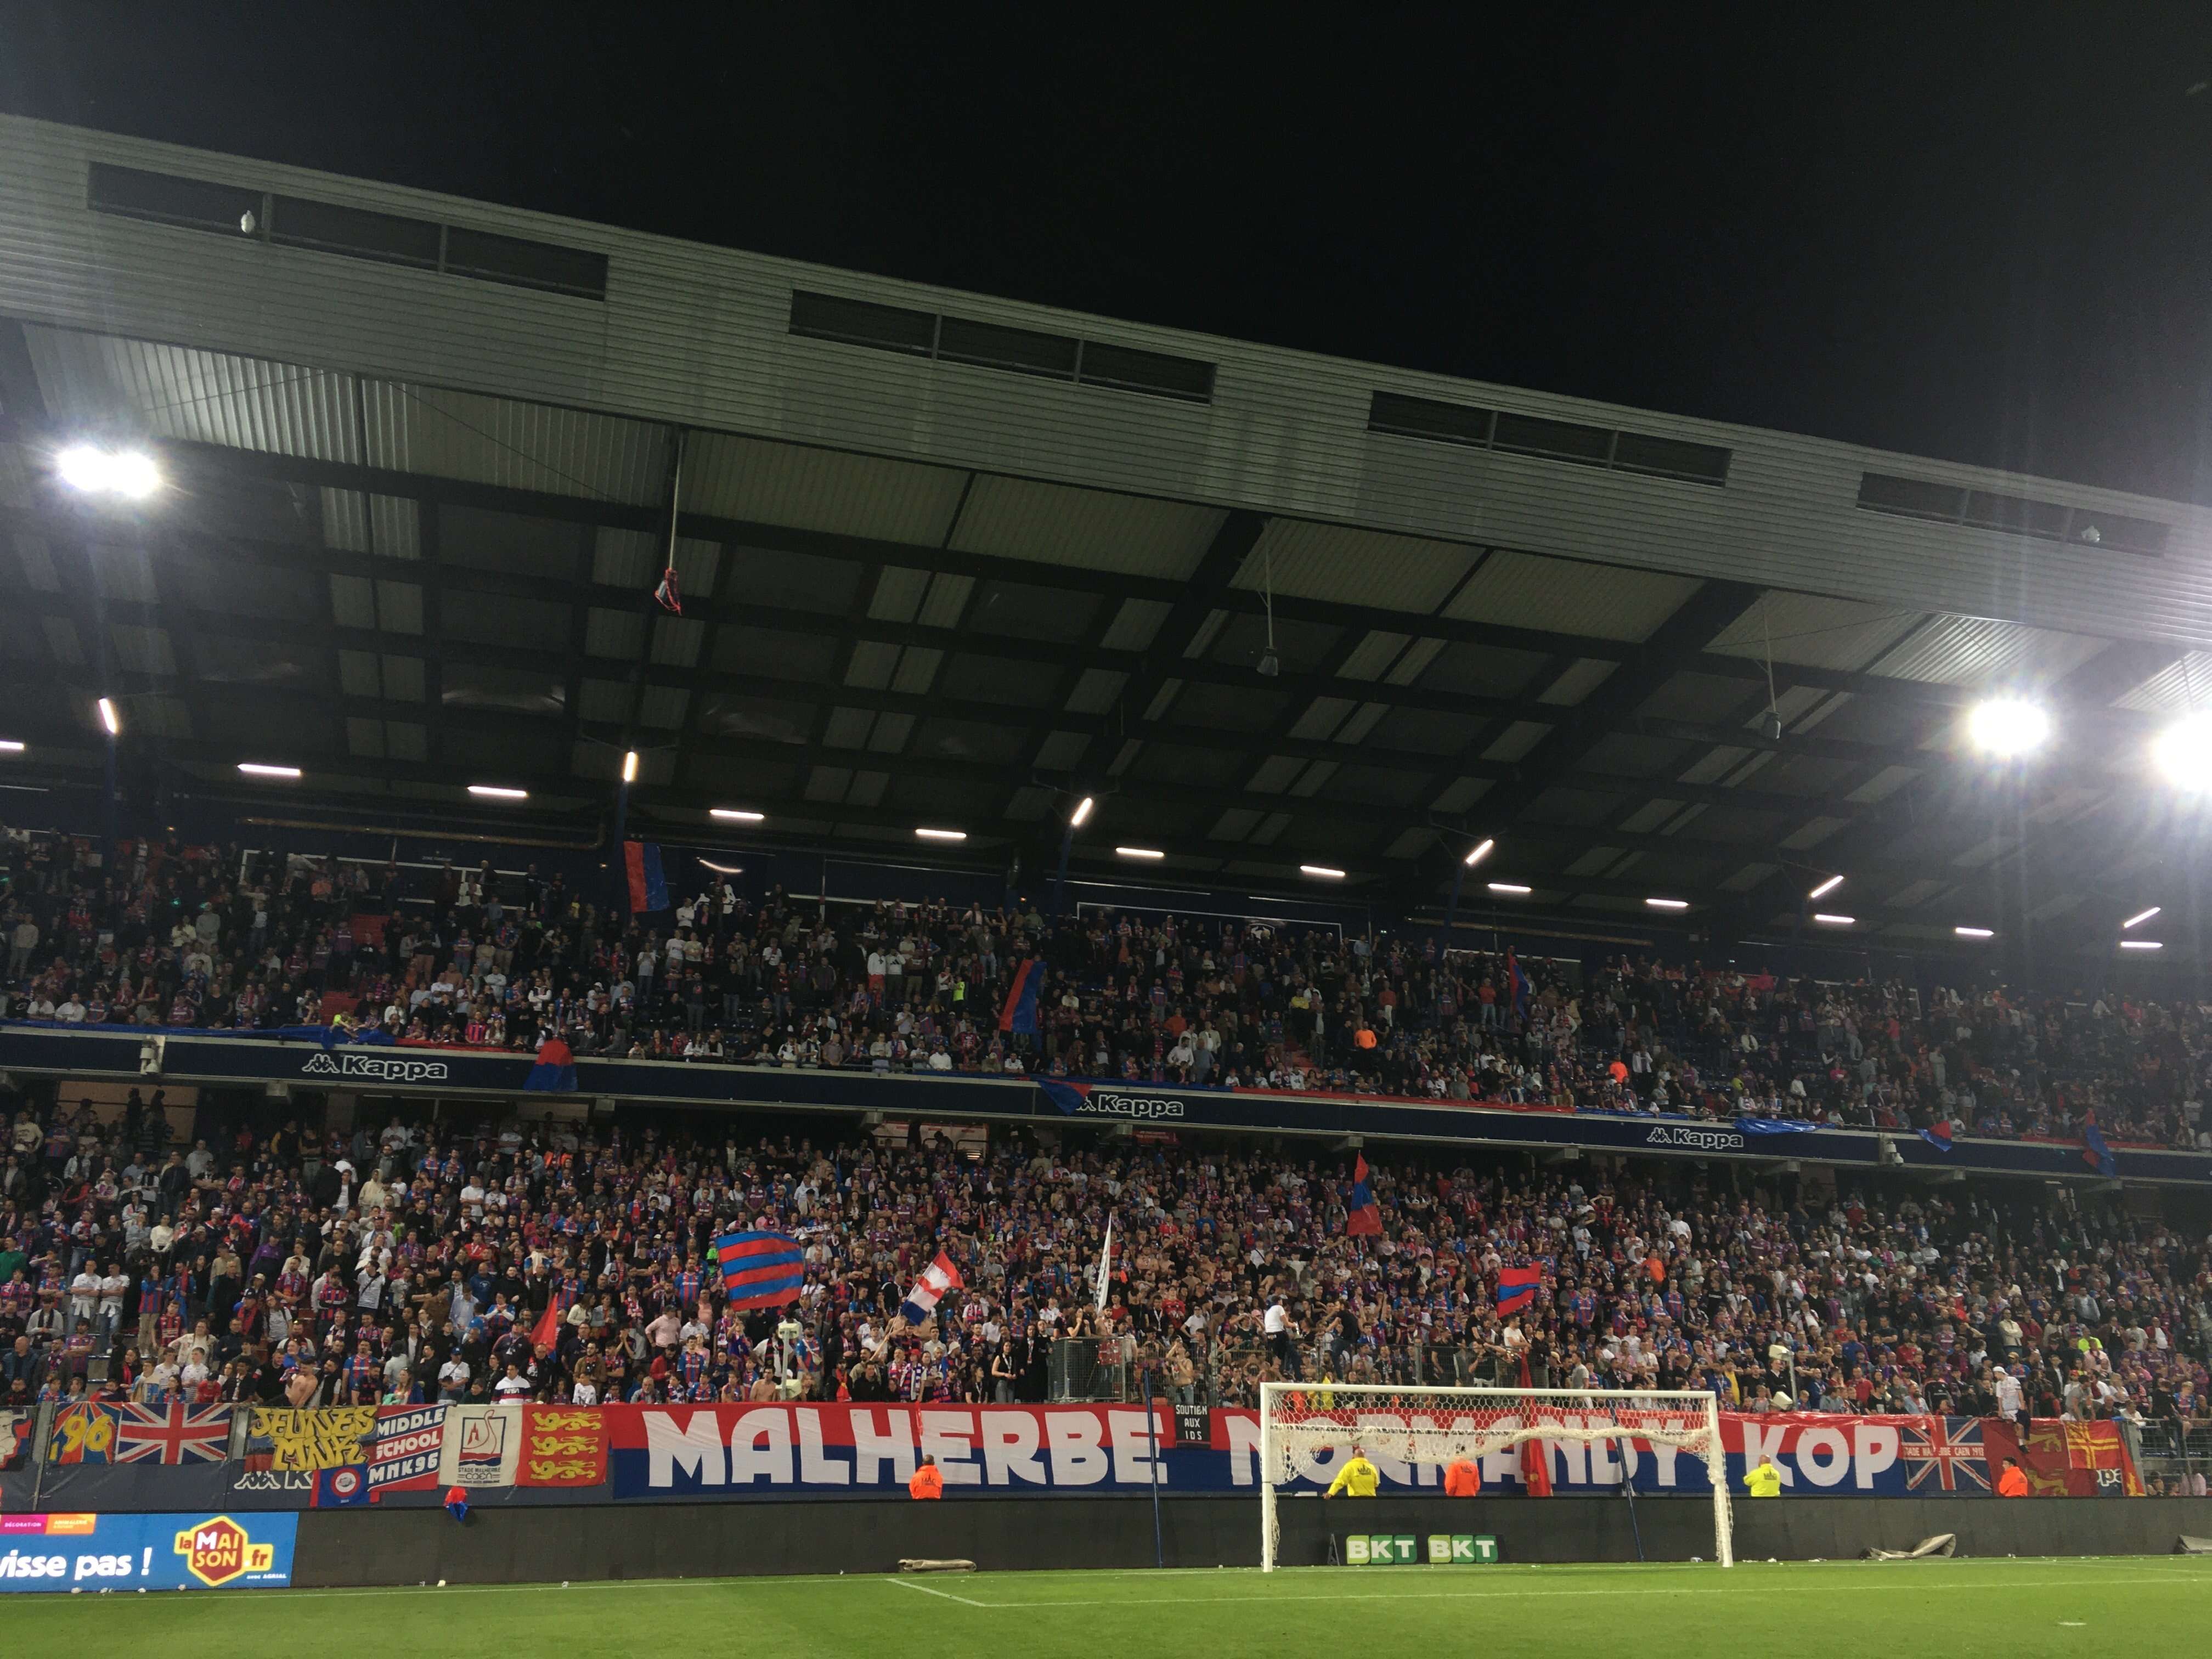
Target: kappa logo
(377,1068)
(1105,1104)
(215,1552)
(1702,1140)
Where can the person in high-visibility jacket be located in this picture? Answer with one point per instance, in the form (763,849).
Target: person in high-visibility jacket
(2013,1483)
(928,1481)
(1358,1478)
(1765,1481)
(1463,1479)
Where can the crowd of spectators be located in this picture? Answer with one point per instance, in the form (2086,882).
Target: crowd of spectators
(221,938)
(401,1261)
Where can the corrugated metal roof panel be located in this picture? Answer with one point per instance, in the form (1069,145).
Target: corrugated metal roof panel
(1814,631)
(1974,651)
(827,489)
(515,445)
(2184,685)
(1605,601)
(201,396)
(1366,566)
(1089,529)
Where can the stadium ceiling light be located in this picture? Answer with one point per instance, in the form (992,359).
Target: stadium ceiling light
(1825,887)
(498,792)
(2141,944)
(109,718)
(1511,888)
(1828,920)
(724,869)
(9,746)
(1479,853)
(129,473)
(1139,852)
(630,765)
(1081,814)
(2141,917)
(258,769)
(1975,932)
(736,815)
(1322,871)
(2184,752)
(2008,726)
(942,834)
(1668,903)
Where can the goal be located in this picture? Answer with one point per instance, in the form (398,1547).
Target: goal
(1598,1438)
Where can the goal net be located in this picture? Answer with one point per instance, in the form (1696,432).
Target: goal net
(1592,1441)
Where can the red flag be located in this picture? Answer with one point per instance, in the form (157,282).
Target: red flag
(1535,1469)
(549,1326)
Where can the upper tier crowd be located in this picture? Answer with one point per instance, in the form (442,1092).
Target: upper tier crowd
(221,938)
(409,1262)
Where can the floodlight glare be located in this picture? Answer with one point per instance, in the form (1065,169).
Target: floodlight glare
(2184,752)
(1081,816)
(2006,726)
(126,472)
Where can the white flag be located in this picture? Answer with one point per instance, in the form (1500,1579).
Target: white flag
(1105,1263)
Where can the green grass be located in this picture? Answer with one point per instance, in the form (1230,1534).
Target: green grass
(1807,1610)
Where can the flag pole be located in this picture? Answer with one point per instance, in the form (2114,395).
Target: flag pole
(1152,1428)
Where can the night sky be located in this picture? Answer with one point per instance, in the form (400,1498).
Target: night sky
(1981,232)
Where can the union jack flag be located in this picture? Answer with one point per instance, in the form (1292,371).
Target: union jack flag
(175,1433)
(1948,1448)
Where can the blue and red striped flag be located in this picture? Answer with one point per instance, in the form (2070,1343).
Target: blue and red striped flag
(1938,1134)
(2094,1153)
(555,1070)
(761,1270)
(648,888)
(1516,1287)
(1020,1015)
(1362,1219)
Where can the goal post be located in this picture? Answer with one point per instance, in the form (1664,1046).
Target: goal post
(1307,1430)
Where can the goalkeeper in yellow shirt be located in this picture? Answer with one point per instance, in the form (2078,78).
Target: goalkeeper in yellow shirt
(1358,1477)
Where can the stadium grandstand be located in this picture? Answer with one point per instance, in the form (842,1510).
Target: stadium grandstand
(639,877)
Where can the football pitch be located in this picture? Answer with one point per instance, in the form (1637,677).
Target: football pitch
(1901,1610)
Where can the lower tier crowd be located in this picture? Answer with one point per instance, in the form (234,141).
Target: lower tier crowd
(410,1261)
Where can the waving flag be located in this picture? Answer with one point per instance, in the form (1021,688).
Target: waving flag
(1105,1265)
(1020,1015)
(649,886)
(555,1070)
(1517,982)
(2094,1153)
(1517,1288)
(939,1277)
(1361,1218)
(670,594)
(1938,1134)
(175,1433)
(762,1270)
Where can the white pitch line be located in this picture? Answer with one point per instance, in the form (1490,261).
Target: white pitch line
(932,1589)
(1518,1595)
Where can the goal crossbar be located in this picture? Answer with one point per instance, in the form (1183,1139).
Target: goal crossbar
(1432,1425)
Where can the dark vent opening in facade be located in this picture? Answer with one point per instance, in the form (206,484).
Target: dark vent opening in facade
(1402,416)
(987,345)
(349,232)
(294,222)
(2011,515)
(997,346)
(172,201)
(1127,369)
(856,322)
(523,263)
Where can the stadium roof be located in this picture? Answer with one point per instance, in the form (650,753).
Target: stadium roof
(953,562)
